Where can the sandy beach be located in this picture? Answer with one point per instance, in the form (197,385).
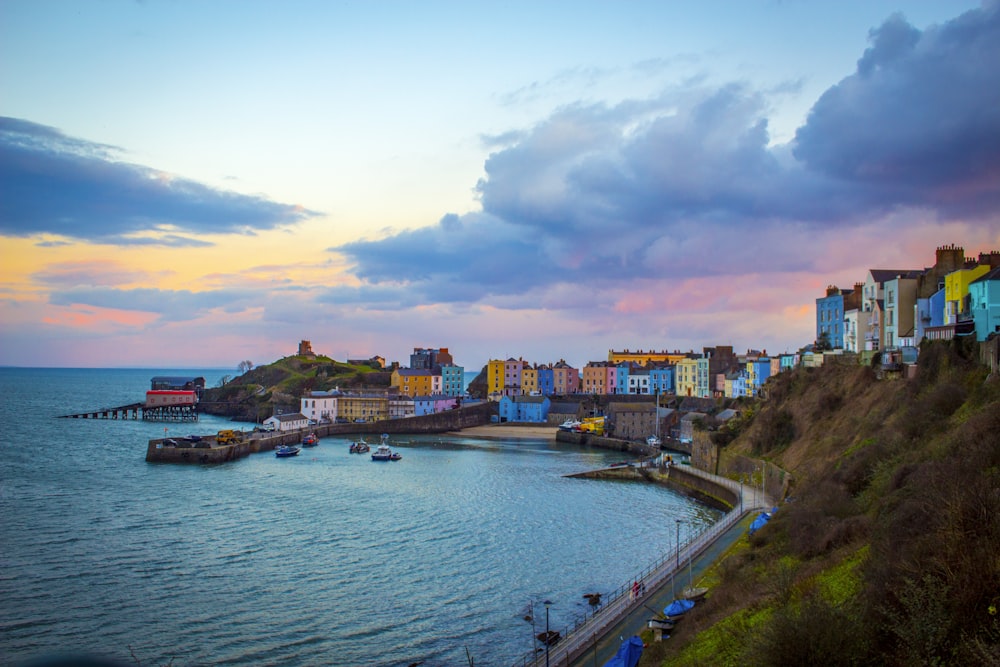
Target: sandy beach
(509,432)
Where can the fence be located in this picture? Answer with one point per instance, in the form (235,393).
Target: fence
(587,629)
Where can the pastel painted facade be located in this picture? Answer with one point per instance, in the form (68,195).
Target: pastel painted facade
(661,379)
(956,291)
(645,358)
(320,406)
(529,380)
(686,377)
(900,301)
(546,381)
(595,377)
(401,407)
(531,409)
(984,304)
(452,380)
(512,369)
(873,293)
(363,408)
(494,378)
(566,379)
(414,381)
(929,313)
(830,317)
(622,371)
(702,387)
(638,382)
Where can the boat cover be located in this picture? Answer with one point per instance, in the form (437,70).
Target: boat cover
(678,607)
(628,653)
(759,522)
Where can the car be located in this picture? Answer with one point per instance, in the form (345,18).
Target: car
(169,442)
(312,422)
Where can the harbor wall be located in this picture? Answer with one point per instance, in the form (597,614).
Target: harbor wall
(676,477)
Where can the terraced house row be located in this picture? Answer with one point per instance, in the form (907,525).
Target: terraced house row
(895,309)
(713,373)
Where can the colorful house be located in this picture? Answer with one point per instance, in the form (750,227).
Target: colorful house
(532,409)
(984,303)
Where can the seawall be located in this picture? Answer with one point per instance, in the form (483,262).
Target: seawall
(678,478)
(210,451)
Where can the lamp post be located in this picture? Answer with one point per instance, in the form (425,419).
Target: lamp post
(547,637)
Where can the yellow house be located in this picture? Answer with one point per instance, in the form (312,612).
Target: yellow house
(413,381)
(494,377)
(529,380)
(363,408)
(686,376)
(956,289)
(644,358)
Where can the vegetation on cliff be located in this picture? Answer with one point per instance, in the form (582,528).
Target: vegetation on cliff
(887,550)
(277,387)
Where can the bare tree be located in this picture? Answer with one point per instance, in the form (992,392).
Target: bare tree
(245,366)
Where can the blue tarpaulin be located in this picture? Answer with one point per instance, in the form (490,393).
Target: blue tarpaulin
(678,607)
(759,522)
(628,653)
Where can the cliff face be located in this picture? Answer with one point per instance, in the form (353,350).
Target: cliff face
(886,551)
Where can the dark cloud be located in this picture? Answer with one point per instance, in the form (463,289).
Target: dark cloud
(597,196)
(918,123)
(54,184)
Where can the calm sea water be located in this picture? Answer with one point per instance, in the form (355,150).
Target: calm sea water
(323,559)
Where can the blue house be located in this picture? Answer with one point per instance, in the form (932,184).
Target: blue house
(546,381)
(830,316)
(984,303)
(533,409)
(661,380)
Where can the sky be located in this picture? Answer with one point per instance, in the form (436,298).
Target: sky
(196,184)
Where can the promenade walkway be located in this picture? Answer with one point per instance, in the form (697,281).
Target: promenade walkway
(578,641)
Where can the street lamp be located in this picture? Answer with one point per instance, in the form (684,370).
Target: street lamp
(548,638)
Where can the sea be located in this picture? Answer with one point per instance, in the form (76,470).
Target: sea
(326,558)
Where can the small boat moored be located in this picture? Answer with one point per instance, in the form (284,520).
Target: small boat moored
(359,447)
(284,451)
(310,440)
(384,453)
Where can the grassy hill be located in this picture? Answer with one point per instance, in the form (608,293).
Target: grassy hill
(888,551)
(278,387)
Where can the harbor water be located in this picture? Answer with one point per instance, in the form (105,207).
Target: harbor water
(326,558)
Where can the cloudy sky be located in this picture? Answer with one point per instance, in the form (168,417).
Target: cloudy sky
(193,184)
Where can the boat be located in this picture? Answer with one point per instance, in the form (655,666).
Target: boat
(569,425)
(660,624)
(695,594)
(678,608)
(359,447)
(310,440)
(383,452)
(654,440)
(284,451)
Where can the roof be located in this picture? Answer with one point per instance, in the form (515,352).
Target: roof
(290,417)
(631,407)
(882,275)
(692,416)
(989,275)
(529,399)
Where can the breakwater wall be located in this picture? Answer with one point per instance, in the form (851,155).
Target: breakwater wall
(209,451)
(603,442)
(678,478)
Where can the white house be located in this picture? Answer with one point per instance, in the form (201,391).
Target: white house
(286,422)
(321,405)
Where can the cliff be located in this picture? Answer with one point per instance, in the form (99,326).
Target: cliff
(278,386)
(885,551)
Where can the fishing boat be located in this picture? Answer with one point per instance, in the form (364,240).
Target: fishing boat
(284,451)
(310,440)
(383,452)
(359,447)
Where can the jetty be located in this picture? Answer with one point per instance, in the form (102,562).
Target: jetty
(141,411)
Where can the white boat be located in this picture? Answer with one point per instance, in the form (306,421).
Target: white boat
(654,440)
(383,452)
(569,425)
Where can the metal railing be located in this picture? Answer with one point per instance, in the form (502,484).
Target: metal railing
(586,629)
